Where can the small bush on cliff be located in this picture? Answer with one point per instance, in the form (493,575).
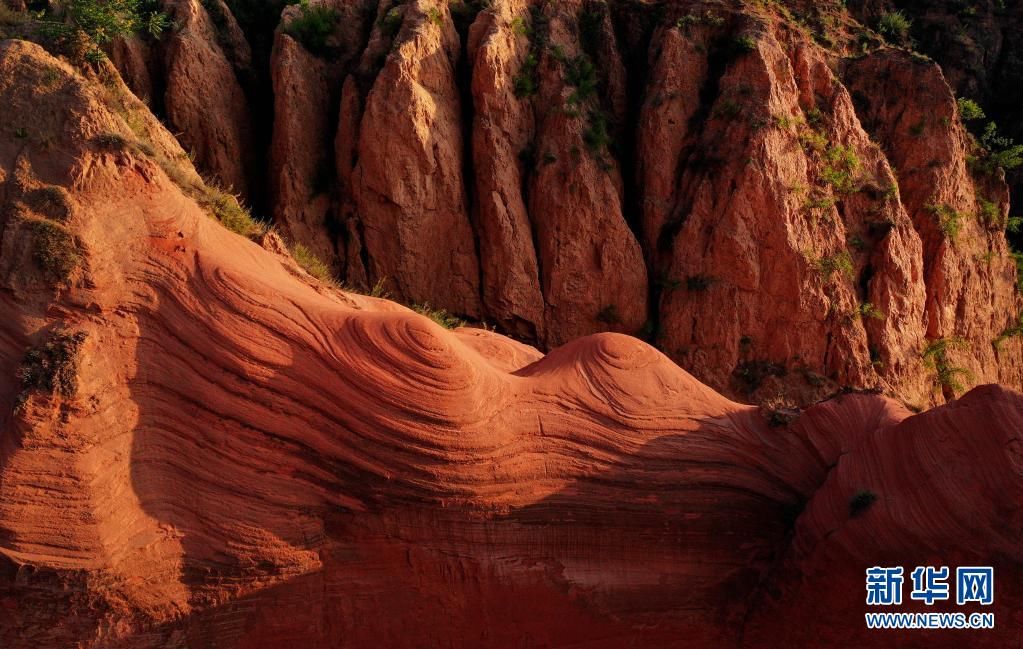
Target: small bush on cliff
(581,74)
(840,262)
(51,201)
(998,152)
(950,221)
(526,83)
(52,367)
(391,22)
(744,44)
(895,27)
(709,18)
(105,20)
(841,169)
(313,27)
(935,357)
(970,110)
(74,28)
(861,502)
(989,214)
(1015,330)
(596,135)
(868,311)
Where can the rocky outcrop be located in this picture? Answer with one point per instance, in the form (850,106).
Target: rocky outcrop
(546,167)
(200,445)
(193,77)
(406,180)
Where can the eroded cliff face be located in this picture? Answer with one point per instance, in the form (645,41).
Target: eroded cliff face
(250,458)
(776,214)
(193,78)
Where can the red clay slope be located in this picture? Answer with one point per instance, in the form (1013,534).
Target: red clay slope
(238,457)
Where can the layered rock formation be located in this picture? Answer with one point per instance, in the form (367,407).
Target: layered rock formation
(202,446)
(741,185)
(715,180)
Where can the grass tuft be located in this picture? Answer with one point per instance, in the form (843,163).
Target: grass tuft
(440,316)
(54,249)
(311,263)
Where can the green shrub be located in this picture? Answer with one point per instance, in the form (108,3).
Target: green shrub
(391,22)
(526,82)
(581,75)
(989,214)
(812,141)
(868,310)
(815,117)
(709,18)
(52,368)
(51,201)
(950,221)
(895,27)
(520,27)
(1017,257)
(935,357)
(840,262)
(999,152)
(110,141)
(596,135)
(841,169)
(819,202)
(313,27)
(105,20)
(970,110)
(861,502)
(1015,330)
(745,44)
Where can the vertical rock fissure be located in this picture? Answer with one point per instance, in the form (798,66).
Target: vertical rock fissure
(463,81)
(635,57)
(258,22)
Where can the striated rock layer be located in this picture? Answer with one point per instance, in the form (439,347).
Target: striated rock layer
(201,446)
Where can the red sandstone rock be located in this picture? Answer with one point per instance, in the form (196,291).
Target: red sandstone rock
(237,456)
(770,280)
(407,182)
(195,69)
(204,100)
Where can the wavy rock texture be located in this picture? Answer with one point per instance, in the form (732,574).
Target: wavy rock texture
(709,177)
(204,447)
